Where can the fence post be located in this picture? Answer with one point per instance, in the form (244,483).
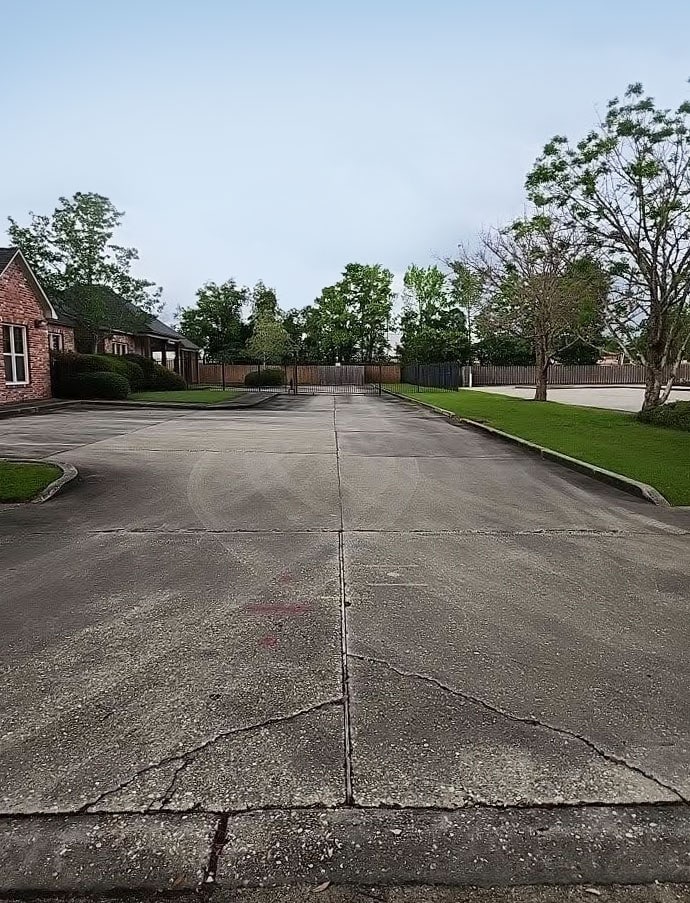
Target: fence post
(380,376)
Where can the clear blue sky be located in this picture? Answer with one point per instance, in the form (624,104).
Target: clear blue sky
(280,140)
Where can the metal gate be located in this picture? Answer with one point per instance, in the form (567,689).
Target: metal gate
(329,379)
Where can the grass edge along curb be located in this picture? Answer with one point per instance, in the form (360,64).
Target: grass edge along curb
(69,473)
(626,484)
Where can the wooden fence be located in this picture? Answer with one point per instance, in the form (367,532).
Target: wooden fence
(307,374)
(567,375)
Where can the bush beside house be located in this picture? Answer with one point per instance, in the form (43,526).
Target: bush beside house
(72,375)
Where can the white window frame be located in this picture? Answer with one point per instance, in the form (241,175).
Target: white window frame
(60,343)
(13,355)
(120,348)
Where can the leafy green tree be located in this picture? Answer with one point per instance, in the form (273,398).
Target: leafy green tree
(73,255)
(626,187)
(540,286)
(503,350)
(215,323)
(264,302)
(433,325)
(269,341)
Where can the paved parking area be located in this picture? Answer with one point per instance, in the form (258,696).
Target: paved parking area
(346,618)
(616,398)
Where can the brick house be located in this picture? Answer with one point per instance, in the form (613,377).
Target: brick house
(30,326)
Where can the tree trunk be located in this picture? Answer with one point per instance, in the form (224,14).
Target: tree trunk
(653,379)
(542,368)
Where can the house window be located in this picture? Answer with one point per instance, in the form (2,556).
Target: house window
(120,348)
(15,355)
(57,341)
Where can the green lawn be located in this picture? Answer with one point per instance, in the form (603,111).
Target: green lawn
(189,396)
(20,482)
(609,439)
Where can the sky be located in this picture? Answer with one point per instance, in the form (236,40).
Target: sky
(281,140)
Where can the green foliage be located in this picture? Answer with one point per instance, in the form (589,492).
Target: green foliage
(99,384)
(504,351)
(575,351)
(75,261)
(269,341)
(215,323)
(268,377)
(626,187)
(433,324)
(675,415)
(163,379)
(140,372)
(349,321)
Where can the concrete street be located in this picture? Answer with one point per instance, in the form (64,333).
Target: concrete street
(617,398)
(335,639)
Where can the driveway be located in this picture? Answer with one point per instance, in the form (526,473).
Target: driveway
(616,398)
(341,639)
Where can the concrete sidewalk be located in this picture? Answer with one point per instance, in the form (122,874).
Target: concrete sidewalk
(616,398)
(335,640)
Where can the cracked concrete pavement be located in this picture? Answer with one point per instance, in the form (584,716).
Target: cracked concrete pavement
(336,605)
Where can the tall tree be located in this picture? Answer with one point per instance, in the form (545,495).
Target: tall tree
(540,286)
(626,186)
(353,316)
(215,323)
(269,341)
(433,325)
(73,255)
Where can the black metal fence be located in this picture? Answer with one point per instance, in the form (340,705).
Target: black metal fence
(448,376)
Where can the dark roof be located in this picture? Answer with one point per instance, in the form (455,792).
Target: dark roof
(63,318)
(158,328)
(127,318)
(6,255)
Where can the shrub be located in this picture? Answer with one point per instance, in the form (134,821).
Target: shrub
(270,377)
(67,364)
(156,378)
(98,384)
(131,370)
(675,416)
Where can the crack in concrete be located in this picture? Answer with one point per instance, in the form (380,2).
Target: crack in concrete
(524,719)
(668,530)
(347,728)
(188,756)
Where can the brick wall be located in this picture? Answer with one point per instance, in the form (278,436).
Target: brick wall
(66,332)
(19,306)
(107,343)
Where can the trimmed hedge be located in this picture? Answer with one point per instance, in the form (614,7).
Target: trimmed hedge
(270,377)
(142,373)
(156,376)
(103,384)
(675,416)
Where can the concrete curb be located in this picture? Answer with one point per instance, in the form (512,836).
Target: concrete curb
(28,409)
(69,473)
(486,846)
(180,405)
(618,481)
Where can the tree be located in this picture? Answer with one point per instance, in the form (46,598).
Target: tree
(503,350)
(350,320)
(75,260)
(215,323)
(626,187)
(264,302)
(540,286)
(269,341)
(433,325)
